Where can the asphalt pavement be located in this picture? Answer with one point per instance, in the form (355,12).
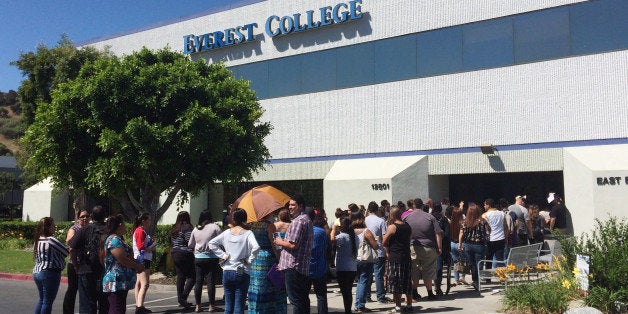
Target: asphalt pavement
(19,295)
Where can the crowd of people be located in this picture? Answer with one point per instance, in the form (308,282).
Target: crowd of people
(287,253)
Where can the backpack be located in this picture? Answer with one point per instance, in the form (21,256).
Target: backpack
(90,253)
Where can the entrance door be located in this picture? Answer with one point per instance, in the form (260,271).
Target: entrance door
(478,187)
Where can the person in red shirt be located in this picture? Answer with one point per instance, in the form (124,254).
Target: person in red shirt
(143,247)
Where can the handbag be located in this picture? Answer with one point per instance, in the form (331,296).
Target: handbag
(462,265)
(366,252)
(276,277)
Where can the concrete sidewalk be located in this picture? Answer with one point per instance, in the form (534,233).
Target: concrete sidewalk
(461,299)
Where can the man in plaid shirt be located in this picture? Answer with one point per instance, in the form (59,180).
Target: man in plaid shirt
(295,255)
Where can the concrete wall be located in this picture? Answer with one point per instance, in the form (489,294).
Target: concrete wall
(585,196)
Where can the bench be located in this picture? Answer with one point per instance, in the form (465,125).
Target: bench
(520,257)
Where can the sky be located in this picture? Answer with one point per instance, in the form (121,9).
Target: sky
(24,24)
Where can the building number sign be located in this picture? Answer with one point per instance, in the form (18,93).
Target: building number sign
(380,187)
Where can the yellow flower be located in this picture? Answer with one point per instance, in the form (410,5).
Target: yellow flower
(576,271)
(566,284)
(512,267)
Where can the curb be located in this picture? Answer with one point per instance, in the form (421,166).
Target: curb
(64,280)
(25,277)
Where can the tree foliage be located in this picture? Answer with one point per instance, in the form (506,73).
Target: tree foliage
(149,122)
(46,68)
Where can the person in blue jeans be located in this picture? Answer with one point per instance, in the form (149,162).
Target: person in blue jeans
(50,257)
(472,238)
(364,269)
(240,249)
(377,226)
(318,261)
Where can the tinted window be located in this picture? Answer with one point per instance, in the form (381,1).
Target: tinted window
(355,65)
(395,59)
(284,76)
(541,35)
(318,71)
(488,44)
(439,51)
(257,73)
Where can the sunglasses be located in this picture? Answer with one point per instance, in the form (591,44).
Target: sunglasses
(83,216)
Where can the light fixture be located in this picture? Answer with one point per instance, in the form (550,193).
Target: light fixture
(488,149)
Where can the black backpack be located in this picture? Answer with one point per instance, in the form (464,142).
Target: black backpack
(92,235)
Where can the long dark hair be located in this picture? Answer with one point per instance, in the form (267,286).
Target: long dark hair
(42,230)
(473,216)
(182,217)
(113,222)
(346,227)
(203,219)
(239,217)
(139,220)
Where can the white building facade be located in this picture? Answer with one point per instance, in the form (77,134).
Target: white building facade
(393,99)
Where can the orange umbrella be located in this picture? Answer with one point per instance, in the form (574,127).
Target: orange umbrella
(260,201)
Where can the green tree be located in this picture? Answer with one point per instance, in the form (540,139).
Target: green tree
(47,68)
(150,122)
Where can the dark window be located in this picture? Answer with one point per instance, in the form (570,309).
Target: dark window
(355,65)
(395,59)
(318,71)
(257,73)
(284,76)
(488,44)
(541,35)
(439,51)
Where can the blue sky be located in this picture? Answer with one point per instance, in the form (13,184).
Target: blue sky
(24,24)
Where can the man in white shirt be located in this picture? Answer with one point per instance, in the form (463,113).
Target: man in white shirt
(377,226)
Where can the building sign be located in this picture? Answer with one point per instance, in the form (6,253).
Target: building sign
(601,181)
(275,26)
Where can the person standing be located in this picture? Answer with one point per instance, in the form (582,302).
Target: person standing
(70,294)
(263,296)
(397,244)
(240,250)
(472,239)
(296,253)
(426,245)
(85,247)
(50,257)
(454,232)
(497,238)
(443,222)
(206,265)
(318,262)
(183,257)
(523,223)
(143,247)
(345,259)
(120,271)
(377,226)
(558,213)
(364,267)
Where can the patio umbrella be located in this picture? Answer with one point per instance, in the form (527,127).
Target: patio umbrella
(261,201)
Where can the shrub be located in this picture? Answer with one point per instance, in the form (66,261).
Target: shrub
(543,297)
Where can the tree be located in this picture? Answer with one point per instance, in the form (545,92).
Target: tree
(46,69)
(153,121)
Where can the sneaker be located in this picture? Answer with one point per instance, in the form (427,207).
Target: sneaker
(385,300)
(213,308)
(369,300)
(142,310)
(397,309)
(198,309)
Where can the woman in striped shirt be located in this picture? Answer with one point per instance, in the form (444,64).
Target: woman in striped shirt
(50,257)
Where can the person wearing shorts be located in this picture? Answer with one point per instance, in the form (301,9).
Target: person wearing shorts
(426,245)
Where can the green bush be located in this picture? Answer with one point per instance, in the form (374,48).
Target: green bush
(542,297)
(608,267)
